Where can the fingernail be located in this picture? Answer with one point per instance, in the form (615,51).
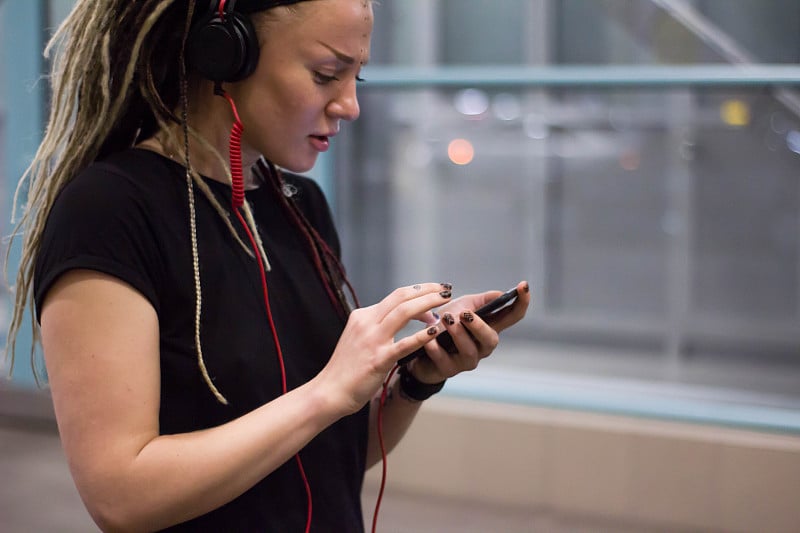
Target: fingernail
(446,294)
(432,330)
(467,316)
(436,315)
(526,288)
(448,319)
(446,286)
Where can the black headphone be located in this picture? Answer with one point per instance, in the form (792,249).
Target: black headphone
(222,47)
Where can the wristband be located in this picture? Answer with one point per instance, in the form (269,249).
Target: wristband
(415,390)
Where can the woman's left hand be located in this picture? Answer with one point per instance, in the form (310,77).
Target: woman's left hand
(474,338)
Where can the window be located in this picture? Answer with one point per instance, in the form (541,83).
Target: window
(658,221)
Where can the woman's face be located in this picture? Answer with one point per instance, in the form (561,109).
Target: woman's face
(305,81)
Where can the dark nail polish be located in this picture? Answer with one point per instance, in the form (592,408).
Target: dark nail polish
(448,319)
(436,315)
(526,288)
(446,286)
(467,316)
(446,294)
(432,330)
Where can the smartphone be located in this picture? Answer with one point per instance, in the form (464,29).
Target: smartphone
(485,312)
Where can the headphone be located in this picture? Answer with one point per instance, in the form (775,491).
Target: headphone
(222,44)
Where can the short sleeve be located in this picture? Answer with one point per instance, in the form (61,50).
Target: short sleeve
(100,221)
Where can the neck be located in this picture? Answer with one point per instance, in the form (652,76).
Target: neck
(209,146)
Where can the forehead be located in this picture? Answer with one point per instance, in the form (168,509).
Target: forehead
(343,21)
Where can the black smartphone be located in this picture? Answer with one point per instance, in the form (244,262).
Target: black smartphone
(485,312)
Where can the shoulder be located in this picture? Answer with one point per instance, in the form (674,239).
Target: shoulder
(132,183)
(120,174)
(110,217)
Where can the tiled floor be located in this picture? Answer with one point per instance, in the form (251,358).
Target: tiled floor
(37,495)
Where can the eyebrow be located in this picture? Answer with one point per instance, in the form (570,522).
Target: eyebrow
(344,58)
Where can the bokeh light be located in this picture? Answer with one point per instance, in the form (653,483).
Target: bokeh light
(461,152)
(735,113)
(472,102)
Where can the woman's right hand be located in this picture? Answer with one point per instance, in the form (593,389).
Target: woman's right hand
(367,349)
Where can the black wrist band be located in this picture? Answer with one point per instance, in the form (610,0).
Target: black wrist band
(414,389)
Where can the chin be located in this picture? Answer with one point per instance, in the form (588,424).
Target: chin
(298,167)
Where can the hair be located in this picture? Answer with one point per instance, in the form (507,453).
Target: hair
(116,59)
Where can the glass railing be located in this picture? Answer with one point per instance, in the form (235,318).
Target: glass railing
(655,210)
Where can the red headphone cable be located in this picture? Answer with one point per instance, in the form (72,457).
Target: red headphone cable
(237,201)
(384,394)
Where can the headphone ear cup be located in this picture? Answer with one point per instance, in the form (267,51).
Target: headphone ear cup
(223,50)
(250,46)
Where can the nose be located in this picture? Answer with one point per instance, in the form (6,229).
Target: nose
(345,105)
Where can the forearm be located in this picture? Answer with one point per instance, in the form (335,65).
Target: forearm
(102,348)
(398,414)
(174,478)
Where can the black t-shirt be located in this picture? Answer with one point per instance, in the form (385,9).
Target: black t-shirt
(128,216)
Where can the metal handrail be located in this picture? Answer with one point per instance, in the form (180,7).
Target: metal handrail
(721,42)
(613,76)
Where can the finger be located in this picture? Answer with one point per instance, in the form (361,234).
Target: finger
(509,316)
(398,317)
(428,317)
(457,350)
(405,294)
(476,340)
(444,362)
(414,342)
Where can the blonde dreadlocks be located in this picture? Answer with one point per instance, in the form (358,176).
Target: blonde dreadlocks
(113,83)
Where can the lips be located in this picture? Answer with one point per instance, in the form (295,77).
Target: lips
(320,143)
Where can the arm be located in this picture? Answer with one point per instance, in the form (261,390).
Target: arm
(475,340)
(399,412)
(101,345)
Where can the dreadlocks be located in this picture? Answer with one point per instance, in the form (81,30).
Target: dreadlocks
(114,83)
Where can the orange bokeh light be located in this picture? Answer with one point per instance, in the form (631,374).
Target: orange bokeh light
(461,152)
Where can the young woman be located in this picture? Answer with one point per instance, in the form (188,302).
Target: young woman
(207,369)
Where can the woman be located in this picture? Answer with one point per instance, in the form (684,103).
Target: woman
(206,369)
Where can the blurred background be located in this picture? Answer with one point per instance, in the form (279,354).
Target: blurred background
(638,162)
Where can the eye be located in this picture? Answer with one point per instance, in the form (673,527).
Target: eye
(323,79)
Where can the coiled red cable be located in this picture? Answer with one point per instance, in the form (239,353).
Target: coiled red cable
(237,201)
(235,150)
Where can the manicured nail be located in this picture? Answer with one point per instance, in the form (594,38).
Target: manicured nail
(432,330)
(446,294)
(526,288)
(446,286)
(448,319)
(467,316)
